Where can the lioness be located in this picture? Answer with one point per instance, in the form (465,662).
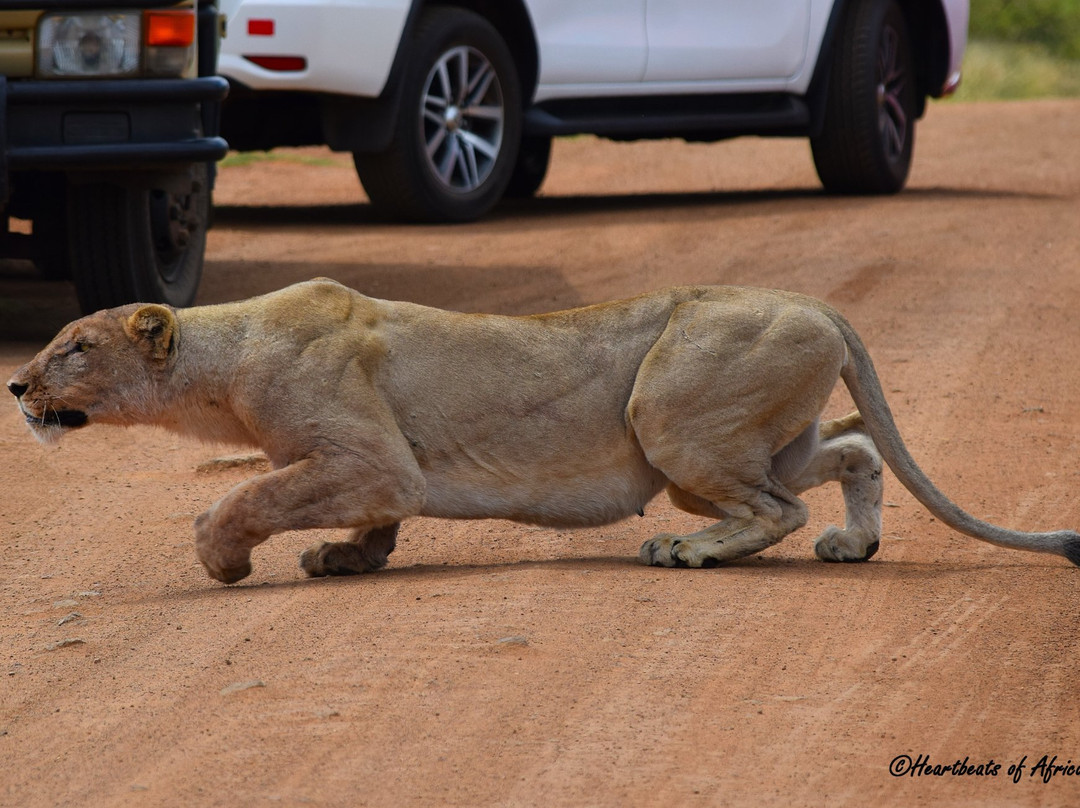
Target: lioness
(373,411)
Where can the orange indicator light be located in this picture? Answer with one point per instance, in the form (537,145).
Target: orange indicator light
(170,29)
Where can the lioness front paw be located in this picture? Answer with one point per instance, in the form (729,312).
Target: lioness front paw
(229,575)
(835,544)
(669,550)
(312,561)
(226,572)
(227,566)
(338,558)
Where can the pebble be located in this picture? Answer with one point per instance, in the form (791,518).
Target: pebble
(515,640)
(255,462)
(236,687)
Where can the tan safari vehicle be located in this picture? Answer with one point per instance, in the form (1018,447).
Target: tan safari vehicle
(108,135)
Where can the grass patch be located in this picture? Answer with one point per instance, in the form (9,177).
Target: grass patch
(995,70)
(251,158)
(1054,24)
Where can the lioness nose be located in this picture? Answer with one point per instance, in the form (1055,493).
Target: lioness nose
(17,389)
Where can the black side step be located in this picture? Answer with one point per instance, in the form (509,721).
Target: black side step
(693,117)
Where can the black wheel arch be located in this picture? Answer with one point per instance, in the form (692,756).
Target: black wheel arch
(511,19)
(367,125)
(929,32)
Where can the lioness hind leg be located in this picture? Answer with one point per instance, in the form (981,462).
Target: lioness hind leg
(699,506)
(847,455)
(366,550)
(692,503)
(727,380)
(747,531)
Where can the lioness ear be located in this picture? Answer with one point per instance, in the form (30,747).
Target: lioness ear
(155,326)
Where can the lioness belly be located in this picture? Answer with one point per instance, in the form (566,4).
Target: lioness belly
(587,489)
(524,418)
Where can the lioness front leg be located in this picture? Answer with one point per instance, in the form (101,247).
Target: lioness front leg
(366,550)
(324,491)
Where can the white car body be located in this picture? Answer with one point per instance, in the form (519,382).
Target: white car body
(448,106)
(587,48)
(348,45)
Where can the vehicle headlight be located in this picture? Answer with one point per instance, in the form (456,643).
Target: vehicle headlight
(112,44)
(89,45)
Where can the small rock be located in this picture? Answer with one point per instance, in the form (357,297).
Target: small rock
(515,640)
(254,462)
(67,618)
(236,687)
(64,643)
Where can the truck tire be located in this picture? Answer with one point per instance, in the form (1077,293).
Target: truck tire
(868,133)
(50,251)
(131,244)
(458,128)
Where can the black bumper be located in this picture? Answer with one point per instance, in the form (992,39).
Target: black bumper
(119,124)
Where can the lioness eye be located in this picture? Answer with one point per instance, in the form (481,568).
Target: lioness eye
(78,347)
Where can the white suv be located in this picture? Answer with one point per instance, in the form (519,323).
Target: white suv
(448,107)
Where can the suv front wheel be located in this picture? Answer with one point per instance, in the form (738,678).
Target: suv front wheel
(459,124)
(865,146)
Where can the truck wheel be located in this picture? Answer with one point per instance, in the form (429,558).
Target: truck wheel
(531,167)
(50,250)
(130,244)
(459,124)
(866,144)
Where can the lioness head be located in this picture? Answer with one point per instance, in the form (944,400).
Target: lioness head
(99,369)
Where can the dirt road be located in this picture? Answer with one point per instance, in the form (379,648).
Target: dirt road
(494,664)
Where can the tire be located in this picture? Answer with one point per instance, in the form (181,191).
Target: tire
(50,251)
(130,244)
(530,169)
(868,134)
(471,129)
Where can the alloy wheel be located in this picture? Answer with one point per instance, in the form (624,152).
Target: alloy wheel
(462,114)
(892,78)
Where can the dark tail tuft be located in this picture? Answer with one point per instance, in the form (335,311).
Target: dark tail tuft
(1072,550)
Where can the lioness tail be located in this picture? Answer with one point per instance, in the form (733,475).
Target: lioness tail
(862,381)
